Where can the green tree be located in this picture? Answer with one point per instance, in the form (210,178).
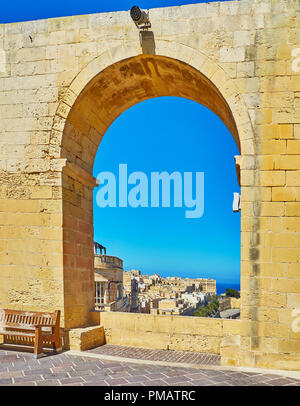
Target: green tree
(209,310)
(232,293)
(201,312)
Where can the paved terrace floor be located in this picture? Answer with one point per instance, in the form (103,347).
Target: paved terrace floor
(93,368)
(194,358)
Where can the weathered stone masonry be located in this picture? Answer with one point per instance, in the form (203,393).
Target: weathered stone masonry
(63,81)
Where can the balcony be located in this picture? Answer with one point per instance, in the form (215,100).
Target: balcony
(109,260)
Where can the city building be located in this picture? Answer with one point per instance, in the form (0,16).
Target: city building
(109,290)
(172,295)
(131,288)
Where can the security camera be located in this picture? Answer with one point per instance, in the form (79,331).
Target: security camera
(140,18)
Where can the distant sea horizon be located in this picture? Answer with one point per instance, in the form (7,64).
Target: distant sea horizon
(222,286)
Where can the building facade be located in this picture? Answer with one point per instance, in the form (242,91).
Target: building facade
(109,289)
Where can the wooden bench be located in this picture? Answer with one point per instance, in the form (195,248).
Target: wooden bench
(42,327)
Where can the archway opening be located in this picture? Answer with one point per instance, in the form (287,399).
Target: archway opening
(168,135)
(106,97)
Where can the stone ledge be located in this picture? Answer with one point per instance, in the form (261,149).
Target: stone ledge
(82,339)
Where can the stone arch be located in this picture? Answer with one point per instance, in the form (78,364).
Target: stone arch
(215,74)
(106,87)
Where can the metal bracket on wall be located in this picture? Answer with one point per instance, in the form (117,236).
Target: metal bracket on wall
(147,42)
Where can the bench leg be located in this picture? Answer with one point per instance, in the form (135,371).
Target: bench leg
(57,345)
(37,343)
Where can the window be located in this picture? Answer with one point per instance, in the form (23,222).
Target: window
(99,293)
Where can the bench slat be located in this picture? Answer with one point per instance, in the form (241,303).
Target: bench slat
(17,333)
(21,325)
(27,318)
(28,334)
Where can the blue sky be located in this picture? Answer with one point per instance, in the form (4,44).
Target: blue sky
(180,135)
(24,11)
(176,135)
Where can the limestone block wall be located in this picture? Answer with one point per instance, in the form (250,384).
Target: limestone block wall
(182,333)
(81,339)
(63,81)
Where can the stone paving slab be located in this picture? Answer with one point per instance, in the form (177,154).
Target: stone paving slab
(187,357)
(21,369)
